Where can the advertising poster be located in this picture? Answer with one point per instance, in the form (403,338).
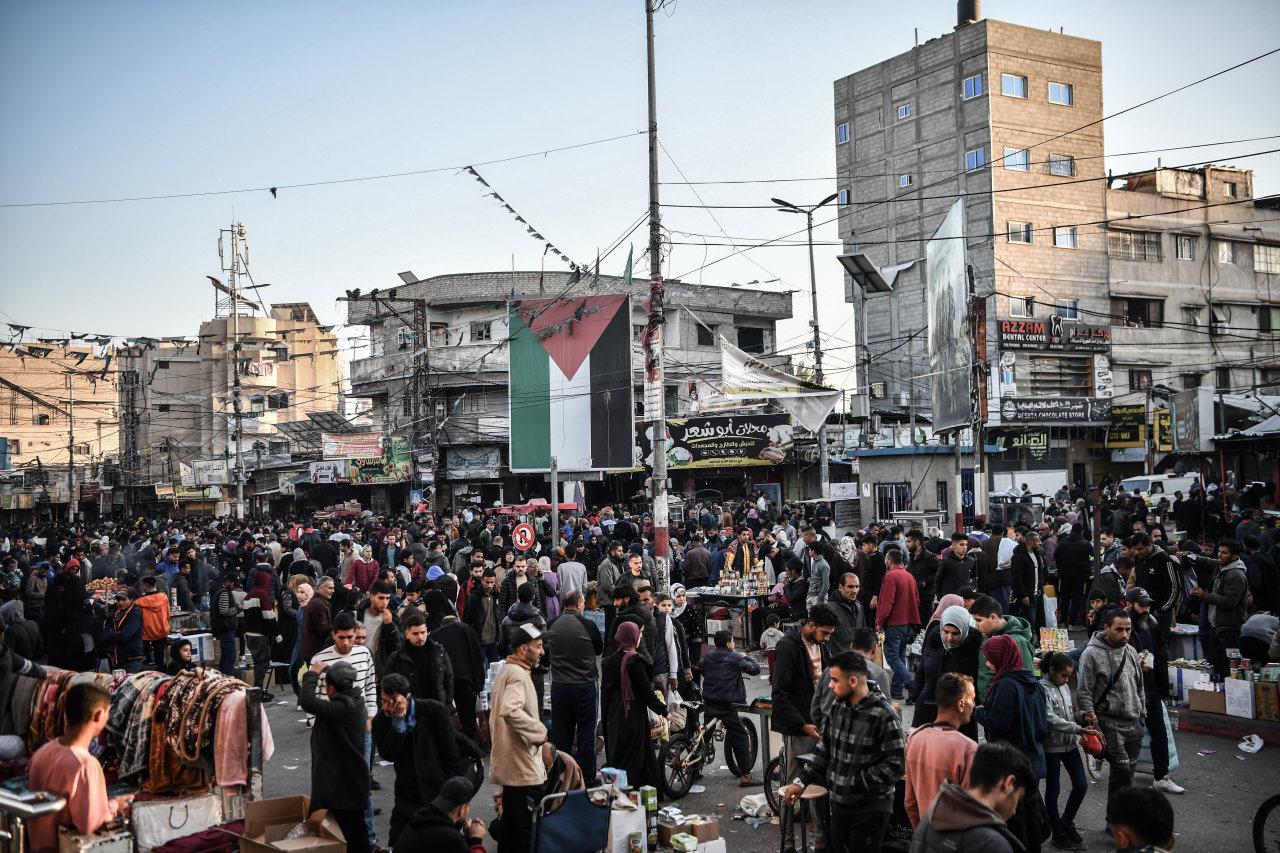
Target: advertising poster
(728,441)
(392,467)
(950,349)
(351,445)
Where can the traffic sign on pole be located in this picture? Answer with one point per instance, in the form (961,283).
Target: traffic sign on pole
(522,537)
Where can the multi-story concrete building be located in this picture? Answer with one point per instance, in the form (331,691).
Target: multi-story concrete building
(467,356)
(41,393)
(288,367)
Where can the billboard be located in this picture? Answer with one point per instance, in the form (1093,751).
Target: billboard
(570,384)
(351,445)
(1191,413)
(391,467)
(950,349)
(213,472)
(1128,427)
(330,471)
(473,463)
(729,441)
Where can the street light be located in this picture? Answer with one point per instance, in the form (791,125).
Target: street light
(824,464)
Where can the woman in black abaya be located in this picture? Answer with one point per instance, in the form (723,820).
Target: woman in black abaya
(627,687)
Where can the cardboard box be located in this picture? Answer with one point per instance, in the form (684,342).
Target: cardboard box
(667,831)
(267,822)
(714,846)
(1266,701)
(705,829)
(1239,698)
(1208,701)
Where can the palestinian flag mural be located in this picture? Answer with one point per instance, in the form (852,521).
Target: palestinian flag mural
(571,395)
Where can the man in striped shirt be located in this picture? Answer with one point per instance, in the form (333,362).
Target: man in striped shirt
(346,649)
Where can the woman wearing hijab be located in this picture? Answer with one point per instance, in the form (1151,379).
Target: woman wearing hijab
(303,591)
(949,646)
(626,685)
(550,582)
(1014,711)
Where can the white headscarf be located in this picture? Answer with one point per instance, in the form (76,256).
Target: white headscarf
(678,610)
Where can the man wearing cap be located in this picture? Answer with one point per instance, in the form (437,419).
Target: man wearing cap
(518,739)
(339,763)
(444,825)
(1154,658)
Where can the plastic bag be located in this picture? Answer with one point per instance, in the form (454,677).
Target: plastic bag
(1051,611)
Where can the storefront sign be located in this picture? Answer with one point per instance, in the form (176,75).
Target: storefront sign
(351,445)
(1164,430)
(1128,427)
(473,463)
(1054,410)
(1054,333)
(330,471)
(725,441)
(843,492)
(392,467)
(210,473)
(1035,442)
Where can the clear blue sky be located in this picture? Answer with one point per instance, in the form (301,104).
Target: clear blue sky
(118,99)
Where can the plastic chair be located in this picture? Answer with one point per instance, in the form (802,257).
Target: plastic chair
(572,823)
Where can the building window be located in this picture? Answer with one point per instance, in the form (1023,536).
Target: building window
(481,331)
(1068,309)
(973,87)
(1190,317)
(1061,376)
(1231,189)
(1226,252)
(1060,93)
(844,198)
(1269,379)
(842,133)
(1022,306)
(1269,318)
(278,401)
(942,493)
(1062,165)
(1018,159)
(1065,237)
(1013,85)
(257,404)
(1266,258)
(40,419)
(904,111)
(707,336)
(406,403)
(1185,246)
(1222,378)
(1137,313)
(1019,232)
(975,159)
(1139,380)
(439,334)
(891,498)
(751,340)
(1190,380)
(162,407)
(904,181)
(1134,246)
(404,338)
(162,364)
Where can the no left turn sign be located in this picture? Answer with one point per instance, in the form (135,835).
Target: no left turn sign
(522,537)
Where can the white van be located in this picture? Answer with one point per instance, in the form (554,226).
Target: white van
(1153,487)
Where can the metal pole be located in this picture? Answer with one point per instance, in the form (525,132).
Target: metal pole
(655,378)
(555,503)
(1148,428)
(237,231)
(73,505)
(959,507)
(824,464)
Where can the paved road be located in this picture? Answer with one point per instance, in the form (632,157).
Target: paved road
(1214,815)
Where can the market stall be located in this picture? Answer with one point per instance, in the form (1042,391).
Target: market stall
(190,747)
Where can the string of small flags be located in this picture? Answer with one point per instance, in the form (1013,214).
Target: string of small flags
(533,232)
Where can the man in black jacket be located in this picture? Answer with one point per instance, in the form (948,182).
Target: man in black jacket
(484,614)
(722,688)
(697,563)
(462,646)
(417,737)
(1074,558)
(1157,573)
(923,566)
(848,610)
(1029,576)
(1154,655)
(628,606)
(955,573)
(339,767)
(423,662)
(573,643)
(799,659)
(444,825)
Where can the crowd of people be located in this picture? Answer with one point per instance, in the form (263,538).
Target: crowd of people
(388,629)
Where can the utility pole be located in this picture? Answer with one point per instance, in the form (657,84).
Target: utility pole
(73,505)
(129,452)
(231,266)
(655,374)
(555,503)
(824,464)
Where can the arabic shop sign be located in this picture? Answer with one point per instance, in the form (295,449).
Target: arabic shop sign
(1054,333)
(1035,442)
(1054,410)
(729,441)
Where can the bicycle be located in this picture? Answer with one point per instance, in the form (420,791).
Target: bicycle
(684,755)
(1266,826)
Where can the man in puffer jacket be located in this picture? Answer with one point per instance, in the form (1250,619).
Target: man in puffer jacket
(1111,697)
(722,687)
